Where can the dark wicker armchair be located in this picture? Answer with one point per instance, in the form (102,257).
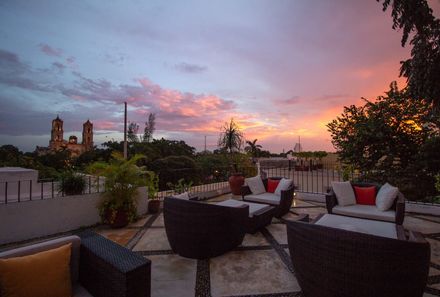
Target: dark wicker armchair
(398,205)
(330,262)
(102,267)
(282,206)
(200,230)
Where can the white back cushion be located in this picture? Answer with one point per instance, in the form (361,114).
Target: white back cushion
(255,185)
(283,185)
(344,193)
(386,196)
(184,195)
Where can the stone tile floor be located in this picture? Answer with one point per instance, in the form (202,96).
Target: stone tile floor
(259,267)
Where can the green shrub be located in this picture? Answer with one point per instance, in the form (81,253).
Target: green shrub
(72,183)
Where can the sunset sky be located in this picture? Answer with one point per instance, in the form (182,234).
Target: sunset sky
(281,69)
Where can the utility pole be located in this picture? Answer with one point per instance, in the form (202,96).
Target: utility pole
(125,131)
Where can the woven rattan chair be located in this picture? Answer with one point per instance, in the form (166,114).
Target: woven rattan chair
(282,206)
(200,230)
(331,262)
(102,267)
(398,206)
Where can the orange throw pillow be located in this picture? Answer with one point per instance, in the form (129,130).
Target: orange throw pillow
(272,184)
(42,274)
(365,195)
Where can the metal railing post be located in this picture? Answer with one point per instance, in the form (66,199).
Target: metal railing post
(6,192)
(19,189)
(30,190)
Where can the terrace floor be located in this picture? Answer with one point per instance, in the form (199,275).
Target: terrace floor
(259,267)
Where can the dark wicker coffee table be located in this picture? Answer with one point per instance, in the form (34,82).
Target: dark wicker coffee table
(260,215)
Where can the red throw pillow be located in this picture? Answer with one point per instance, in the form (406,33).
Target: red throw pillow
(272,184)
(365,195)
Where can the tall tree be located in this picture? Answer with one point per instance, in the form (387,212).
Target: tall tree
(133,129)
(150,127)
(385,140)
(381,134)
(231,140)
(422,70)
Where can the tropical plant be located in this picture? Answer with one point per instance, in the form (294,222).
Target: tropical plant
(231,140)
(122,178)
(152,183)
(71,183)
(181,186)
(253,148)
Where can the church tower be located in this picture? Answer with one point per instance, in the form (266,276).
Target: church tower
(87,136)
(56,139)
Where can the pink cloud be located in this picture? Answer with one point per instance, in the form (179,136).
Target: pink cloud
(50,51)
(105,125)
(78,97)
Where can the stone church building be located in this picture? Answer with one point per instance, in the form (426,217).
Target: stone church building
(57,141)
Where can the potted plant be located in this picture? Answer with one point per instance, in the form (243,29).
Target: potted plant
(122,178)
(71,183)
(181,186)
(152,189)
(231,139)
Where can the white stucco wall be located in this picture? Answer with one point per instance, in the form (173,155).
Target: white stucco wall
(31,219)
(11,174)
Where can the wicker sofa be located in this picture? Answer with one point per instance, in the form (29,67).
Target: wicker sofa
(396,214)
(332,262)
(282,203)
(260,215)
(99,267)
(200,230)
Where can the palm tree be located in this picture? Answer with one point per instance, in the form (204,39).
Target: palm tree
(253,148)
(231,139)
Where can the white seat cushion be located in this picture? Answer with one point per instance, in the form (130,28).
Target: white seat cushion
(344,193)
(386,196)
(377,228)
(255,184)
(253,207)
(283,185)
(184,195)
(365,211)
(269,198)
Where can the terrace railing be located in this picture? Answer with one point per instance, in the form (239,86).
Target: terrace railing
(28,190)
(310,178)
(316,179)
